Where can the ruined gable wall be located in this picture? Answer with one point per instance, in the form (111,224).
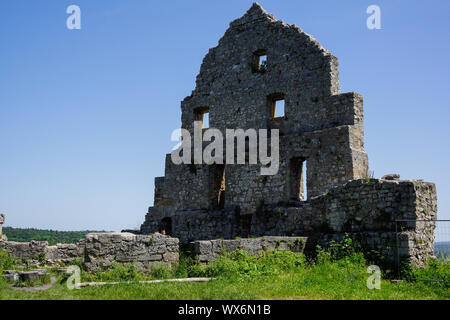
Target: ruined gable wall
(237,96)
(320,125)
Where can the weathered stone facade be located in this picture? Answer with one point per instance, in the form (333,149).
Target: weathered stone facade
(320,126)
(190,225)
(208,250)
(365,209)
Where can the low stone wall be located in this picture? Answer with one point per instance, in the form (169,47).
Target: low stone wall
(102,249)
(207,250)
(39,252)
(64,252)
(33,250)
(99,250)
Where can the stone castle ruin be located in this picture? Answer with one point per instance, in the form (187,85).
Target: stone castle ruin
(321,127)
(322,190)
(259,63)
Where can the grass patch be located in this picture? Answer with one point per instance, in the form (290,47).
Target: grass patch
(339,272)
(42,280)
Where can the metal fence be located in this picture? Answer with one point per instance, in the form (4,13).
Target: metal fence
(441,247)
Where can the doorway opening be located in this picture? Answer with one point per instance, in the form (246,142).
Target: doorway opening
(166,226)
(217,186)
(297,179)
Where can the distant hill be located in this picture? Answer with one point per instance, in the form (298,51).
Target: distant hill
(52,236)
(442,250)
(442,246)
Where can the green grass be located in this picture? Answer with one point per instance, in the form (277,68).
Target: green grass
(42,280)
(312,283)
(337,273)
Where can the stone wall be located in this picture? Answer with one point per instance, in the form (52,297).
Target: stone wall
(33,250)
(321,128)
(320,125)
(190,225)
(39,252)
(64,253)
(99,250)
(144,251)
(365,209)
(207,250)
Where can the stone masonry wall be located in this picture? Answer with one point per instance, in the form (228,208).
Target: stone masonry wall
(99,250)
(366,210)
(33,250)
(207,250)
(144,251)
(39,252)
(320,125)
(64,252)
(190,225)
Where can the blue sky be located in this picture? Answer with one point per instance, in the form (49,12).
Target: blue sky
(86,115)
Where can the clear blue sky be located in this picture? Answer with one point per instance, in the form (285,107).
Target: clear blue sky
(86,115)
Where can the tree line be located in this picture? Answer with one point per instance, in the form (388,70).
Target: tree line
(52,236)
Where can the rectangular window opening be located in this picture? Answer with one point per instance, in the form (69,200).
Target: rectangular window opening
(206,120)
(260,60)
(202,114)
(276,105)
(279,108)
(217,186)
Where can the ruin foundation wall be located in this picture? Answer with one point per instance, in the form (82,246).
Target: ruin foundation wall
(365,209)
(99,251)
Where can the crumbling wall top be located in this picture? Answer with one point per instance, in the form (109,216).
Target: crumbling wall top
(258,14)
(294,58)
